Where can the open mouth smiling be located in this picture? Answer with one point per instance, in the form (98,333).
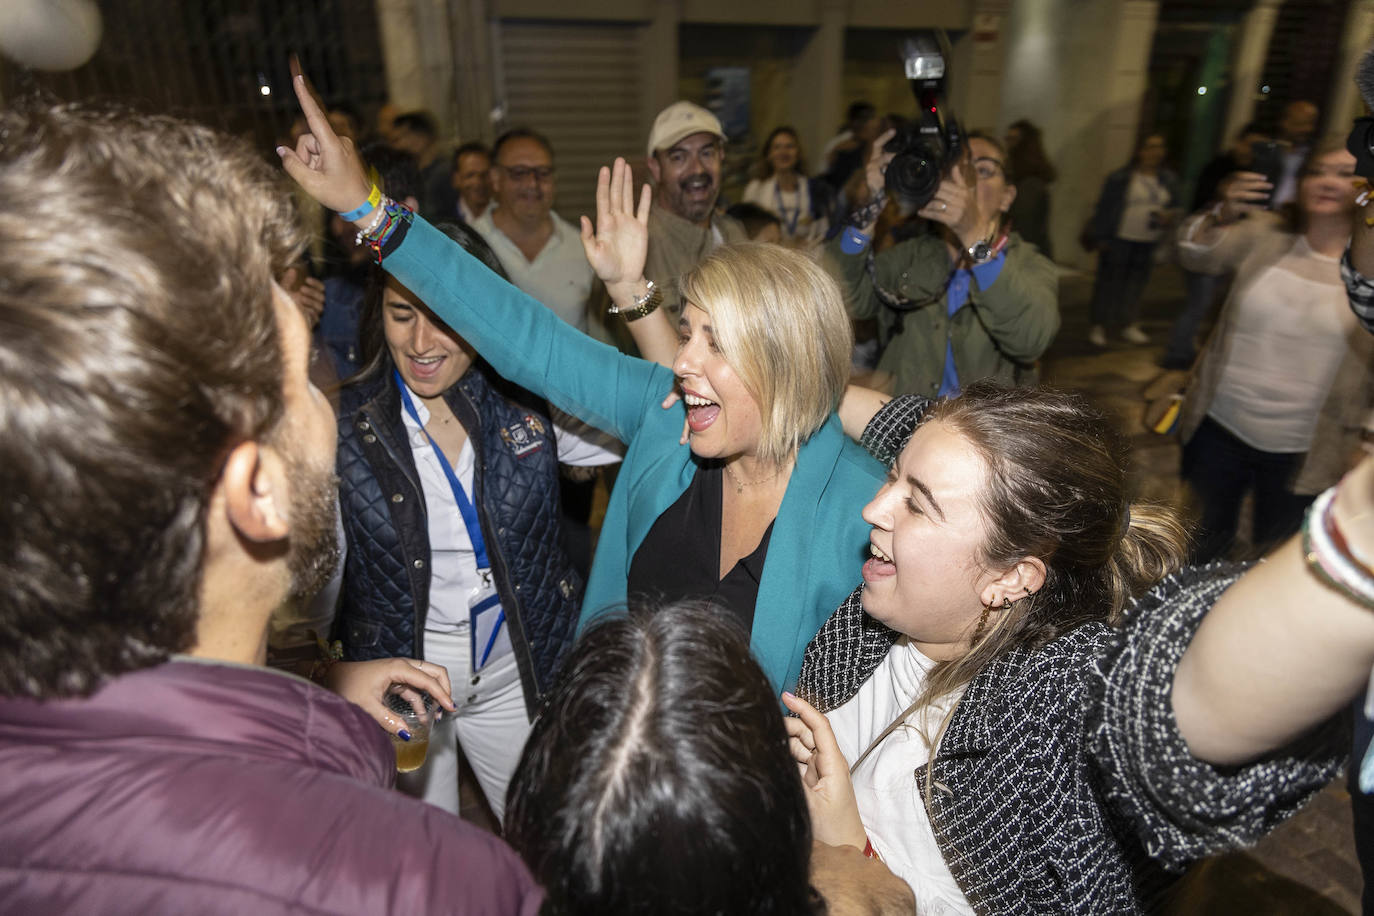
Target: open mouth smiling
(701,412)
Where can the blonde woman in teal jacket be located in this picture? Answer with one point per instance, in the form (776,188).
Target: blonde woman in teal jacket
(756,507)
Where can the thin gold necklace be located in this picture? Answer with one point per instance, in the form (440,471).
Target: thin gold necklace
(741,484)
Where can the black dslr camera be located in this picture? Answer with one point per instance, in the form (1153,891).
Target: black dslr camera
(932,143)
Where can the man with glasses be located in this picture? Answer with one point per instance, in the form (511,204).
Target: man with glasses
(541,251)
(543,255)
(964,302)
(685,153)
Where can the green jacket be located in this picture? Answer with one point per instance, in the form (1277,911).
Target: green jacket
(998,333)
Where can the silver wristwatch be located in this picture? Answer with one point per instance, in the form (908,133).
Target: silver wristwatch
(980,252)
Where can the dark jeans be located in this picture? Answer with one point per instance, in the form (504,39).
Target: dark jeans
(1221,469)
(1123,269)
(1201,295)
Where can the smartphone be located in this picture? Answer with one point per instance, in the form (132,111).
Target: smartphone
(1267,161)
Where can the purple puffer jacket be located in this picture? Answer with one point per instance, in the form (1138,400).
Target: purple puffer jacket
(197,787)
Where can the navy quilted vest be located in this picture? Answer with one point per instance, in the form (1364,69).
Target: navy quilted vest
(386,575)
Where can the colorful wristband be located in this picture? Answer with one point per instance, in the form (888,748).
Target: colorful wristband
(373,199)
(385,233)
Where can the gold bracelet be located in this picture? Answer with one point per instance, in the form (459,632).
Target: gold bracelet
(644,305)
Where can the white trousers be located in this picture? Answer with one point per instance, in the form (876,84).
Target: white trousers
(491,725)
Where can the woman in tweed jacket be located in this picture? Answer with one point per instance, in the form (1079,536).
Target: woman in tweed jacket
(1086,744)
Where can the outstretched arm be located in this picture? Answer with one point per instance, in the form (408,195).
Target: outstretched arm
(523,341)
(1281,650)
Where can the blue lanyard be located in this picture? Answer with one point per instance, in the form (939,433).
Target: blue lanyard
(465,508)
(789,224)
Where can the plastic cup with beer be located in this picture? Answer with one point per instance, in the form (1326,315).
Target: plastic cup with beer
(417,711)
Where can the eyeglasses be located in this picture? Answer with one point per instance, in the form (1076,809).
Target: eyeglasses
(523,173)
(987,168)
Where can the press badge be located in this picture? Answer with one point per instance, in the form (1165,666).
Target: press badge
(490,635)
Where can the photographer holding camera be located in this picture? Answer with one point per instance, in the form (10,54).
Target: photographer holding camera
(966,302)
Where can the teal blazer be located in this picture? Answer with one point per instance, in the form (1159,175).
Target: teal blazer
(819,540)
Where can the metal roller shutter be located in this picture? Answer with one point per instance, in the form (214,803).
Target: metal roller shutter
(579,85)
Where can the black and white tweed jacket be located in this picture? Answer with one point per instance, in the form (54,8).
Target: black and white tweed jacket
(1360,291)
(1062,782)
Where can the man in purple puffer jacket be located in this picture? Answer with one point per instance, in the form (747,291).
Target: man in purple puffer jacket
(165,483)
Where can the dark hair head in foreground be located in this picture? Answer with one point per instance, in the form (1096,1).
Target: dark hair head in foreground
(657,779)
(138,345)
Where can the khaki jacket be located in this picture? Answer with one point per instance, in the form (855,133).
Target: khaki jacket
(676,246)
(998,333)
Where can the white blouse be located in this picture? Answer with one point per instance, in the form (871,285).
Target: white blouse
(453,562)
(1288,336)
(792,208)
(1146,196)
(886,787)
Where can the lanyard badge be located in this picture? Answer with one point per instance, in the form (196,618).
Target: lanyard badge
(489,636)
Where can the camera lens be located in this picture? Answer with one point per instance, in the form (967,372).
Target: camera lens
(914,174)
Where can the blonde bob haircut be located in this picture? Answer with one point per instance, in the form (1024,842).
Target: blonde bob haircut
(779,320)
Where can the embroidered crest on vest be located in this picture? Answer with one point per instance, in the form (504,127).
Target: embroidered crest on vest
(523,438)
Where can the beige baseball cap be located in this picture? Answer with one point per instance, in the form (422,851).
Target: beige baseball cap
(679,120)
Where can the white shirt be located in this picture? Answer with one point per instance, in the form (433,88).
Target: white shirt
(1145,197)
(1288,336)
(453,562)
(466,214)
(559,276)
(888,791)
(792,208)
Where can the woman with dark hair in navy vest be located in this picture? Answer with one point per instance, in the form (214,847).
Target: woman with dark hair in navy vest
(449,497)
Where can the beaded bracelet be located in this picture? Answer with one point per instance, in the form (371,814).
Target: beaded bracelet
(372,225)
(1329,557)
(385,232)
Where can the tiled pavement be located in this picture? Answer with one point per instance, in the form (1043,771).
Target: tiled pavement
(1308,865)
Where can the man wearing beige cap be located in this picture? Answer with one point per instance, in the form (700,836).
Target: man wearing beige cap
(685,152)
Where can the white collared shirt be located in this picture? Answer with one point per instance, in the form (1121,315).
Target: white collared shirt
(559,276)
(466,215)
(453,562)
